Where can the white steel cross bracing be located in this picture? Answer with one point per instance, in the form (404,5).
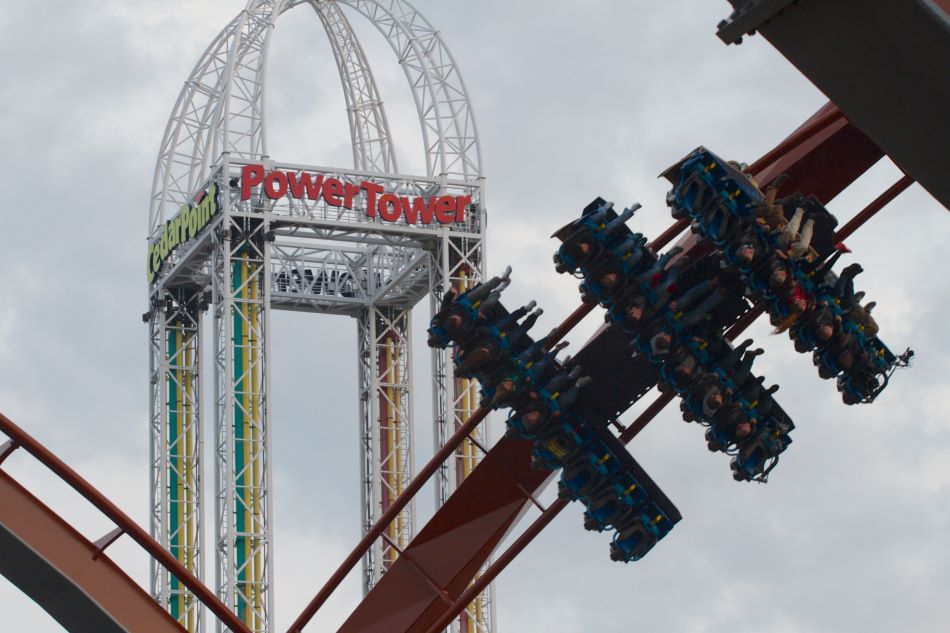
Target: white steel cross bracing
(369,130)
(243,502)
(384,339)
(294,254)
(175,443)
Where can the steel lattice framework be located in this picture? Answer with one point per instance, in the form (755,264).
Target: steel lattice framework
(258,253)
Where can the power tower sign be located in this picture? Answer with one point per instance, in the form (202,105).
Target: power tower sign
(235,235)
(371,196)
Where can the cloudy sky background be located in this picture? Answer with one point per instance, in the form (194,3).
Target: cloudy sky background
(573,100)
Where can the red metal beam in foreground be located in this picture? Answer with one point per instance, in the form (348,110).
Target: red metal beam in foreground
(822,157)
(827,115)
(876,205)
(122,520)
(67,575)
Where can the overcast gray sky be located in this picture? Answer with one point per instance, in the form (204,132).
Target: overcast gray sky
(573,100)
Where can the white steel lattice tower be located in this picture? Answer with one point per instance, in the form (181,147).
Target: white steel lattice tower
(236,233)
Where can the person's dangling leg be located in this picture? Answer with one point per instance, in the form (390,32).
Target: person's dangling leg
(744,371)
(732,357)
(698,313)
(844,287)
(800,246)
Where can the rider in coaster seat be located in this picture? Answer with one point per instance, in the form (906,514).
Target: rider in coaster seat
(516,338)
(603,282)
(817,327)
(837,356)
(680,370)
(479,293)
(658,342)
(480,354)
(737,363)
(751,248)
(788,308)
(577,251)
(731,422)
(706,396)
(631,309)
(861,316)
(579,480)
(794,239)
(541,408)
(457,317)
(844,287)
(630,252)
(768,211)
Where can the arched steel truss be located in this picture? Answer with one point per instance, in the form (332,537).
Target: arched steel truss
(221,106)
(219,120)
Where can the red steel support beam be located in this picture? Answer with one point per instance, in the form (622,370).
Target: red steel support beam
(67,575)
(822,157)
(876,205)
(667,236)
(819,121)
(123,521)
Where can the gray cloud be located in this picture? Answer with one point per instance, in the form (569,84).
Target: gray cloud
(573,100)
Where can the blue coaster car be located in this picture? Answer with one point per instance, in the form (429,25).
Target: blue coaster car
(756,459)
(578,480)
(554,450)
(722,203)
(630,491)
(438,337)
(718,441)
(604,511)
(637,535)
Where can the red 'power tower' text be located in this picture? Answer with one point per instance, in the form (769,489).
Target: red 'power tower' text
(340,193)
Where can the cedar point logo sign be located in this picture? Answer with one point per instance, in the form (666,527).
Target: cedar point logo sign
(389,207)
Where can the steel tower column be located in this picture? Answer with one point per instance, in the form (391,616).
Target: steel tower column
(458,263)
(240,262)
(175,441)
(386,455)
